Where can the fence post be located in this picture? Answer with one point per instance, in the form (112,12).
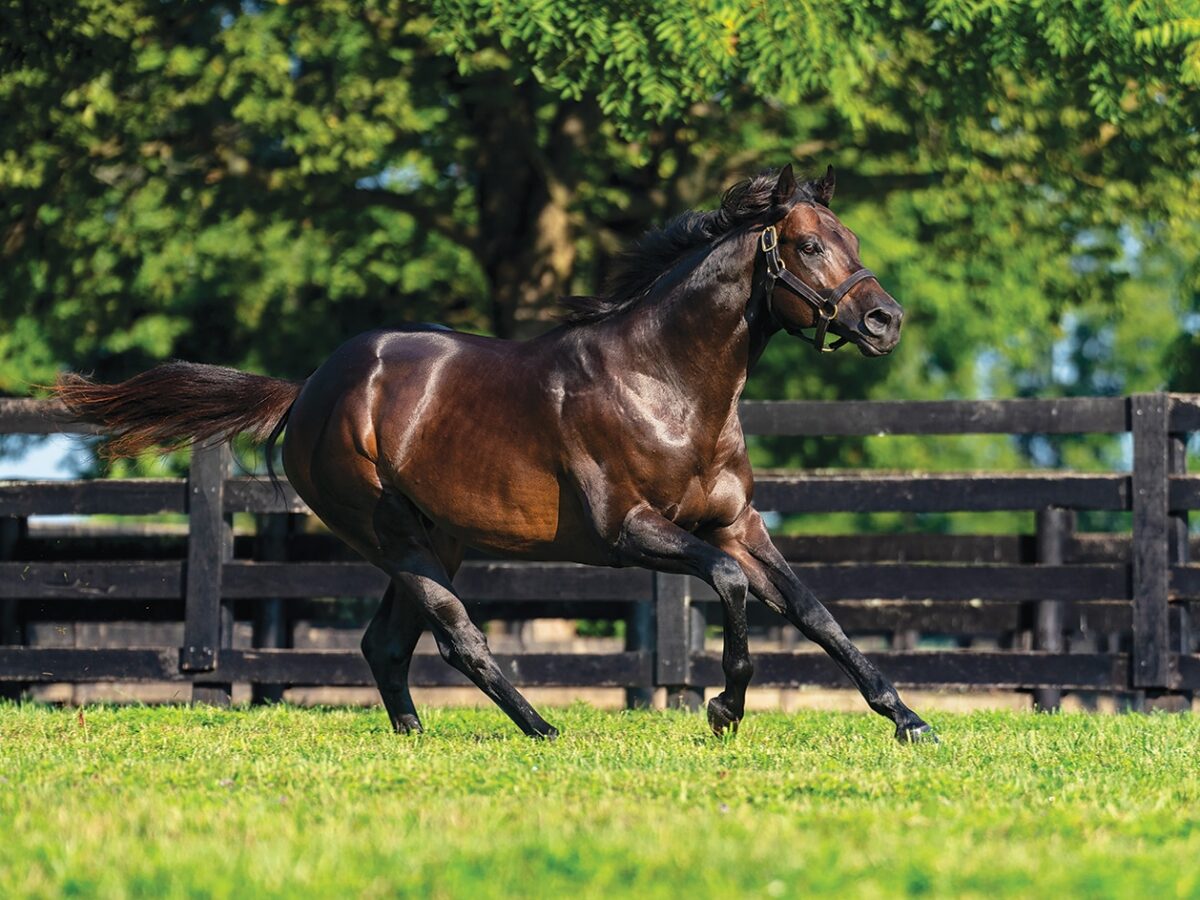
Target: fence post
(1177,551)
(270,614)
(639,637)
(1151,662)
(208,620)
(676,627)
(12,631)
(1054,526)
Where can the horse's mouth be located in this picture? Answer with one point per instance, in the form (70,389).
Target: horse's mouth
(867,345)
(870,348)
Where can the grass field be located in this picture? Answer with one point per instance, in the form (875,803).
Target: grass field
(183,802)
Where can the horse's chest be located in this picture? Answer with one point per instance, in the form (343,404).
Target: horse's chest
(715,495)
(656,448)
(699,477)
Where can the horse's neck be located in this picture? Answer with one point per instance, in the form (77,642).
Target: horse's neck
(696,336)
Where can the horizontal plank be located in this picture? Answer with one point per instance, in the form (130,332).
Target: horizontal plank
(73,664)
(902,581)
(79,540)
(112,496)
(259,495)
(313,667)
(64,612)
(1184,413)
(1011,549)
(1095,671)
(902,547)
(483,582)
(1070,415)
(991,619)
(498,581)
(826,492)
(966,668)
(965,618)
(813,418)
(242,579)
(879,492)
(1185,583)
(20,415)
(792,493)
(343,667)
(1183,492)
(475,581)
(91,580)
(960,618)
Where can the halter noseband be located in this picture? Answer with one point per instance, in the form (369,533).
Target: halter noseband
(824,303)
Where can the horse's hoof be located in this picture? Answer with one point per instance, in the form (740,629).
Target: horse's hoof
(916,734)
(408,725)
(721,717)
(551,734)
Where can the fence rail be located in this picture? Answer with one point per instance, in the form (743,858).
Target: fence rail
(1136,590)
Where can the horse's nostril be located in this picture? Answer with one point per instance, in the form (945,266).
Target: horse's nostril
(877,321)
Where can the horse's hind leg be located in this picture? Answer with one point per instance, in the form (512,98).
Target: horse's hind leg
(421,576)
(405,548)
(388,644)
(390,532)
(392,635)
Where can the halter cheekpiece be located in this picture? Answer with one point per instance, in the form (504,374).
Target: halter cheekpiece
(824,303)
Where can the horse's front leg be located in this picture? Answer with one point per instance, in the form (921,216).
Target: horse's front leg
(772,580)
(650,540)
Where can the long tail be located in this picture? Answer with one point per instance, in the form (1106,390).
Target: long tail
(177,404)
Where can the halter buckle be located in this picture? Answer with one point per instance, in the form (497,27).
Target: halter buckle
(770,239)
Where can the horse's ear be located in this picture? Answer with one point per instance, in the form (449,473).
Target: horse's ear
(785,187)
(822,188)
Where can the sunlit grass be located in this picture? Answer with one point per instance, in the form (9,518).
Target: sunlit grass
(266,802)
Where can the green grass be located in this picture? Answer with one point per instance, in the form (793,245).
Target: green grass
(266,802)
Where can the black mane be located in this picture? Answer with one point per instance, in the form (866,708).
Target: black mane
(656,252)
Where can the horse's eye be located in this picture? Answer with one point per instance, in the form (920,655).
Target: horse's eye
(810,248)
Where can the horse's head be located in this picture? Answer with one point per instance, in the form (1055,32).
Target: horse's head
(814,276)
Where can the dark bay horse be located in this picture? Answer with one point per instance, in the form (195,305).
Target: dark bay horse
(612,440)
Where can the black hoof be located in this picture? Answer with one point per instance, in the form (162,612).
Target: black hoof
(721,718)
(916,734)
(551,734)
(408,725)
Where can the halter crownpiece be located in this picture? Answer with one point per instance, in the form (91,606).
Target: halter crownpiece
(824,303)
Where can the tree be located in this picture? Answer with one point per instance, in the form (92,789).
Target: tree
(250,183)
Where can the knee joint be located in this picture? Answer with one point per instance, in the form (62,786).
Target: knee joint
(469,652)
(729,579)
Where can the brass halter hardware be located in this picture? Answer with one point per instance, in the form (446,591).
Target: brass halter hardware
(824,303)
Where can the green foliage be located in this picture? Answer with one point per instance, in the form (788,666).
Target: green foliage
(284,802)
(253,183)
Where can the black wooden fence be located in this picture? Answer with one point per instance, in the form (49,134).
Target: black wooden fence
(1080,612)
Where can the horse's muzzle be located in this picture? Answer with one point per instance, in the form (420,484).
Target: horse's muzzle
(879,330)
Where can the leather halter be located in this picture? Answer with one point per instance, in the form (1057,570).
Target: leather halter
(824,303)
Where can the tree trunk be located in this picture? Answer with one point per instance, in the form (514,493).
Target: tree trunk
(526,242)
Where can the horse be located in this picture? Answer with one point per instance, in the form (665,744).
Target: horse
(613,439)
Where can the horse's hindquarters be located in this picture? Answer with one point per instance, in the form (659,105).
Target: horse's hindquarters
(454,423)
